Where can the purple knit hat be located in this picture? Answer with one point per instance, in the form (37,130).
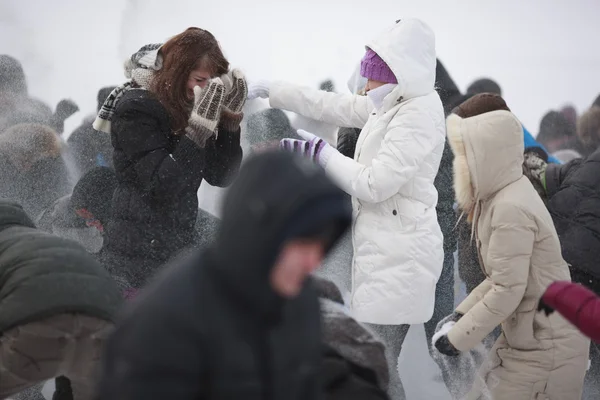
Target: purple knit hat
(374,68)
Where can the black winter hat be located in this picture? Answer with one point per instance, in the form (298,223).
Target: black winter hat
(12,77)
(268,126)
(555,125)
(94,192)
(484,85)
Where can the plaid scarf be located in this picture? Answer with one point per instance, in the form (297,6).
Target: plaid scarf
(139,68)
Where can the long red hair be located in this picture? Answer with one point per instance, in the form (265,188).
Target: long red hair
(191,49)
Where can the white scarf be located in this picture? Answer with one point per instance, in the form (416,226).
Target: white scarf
(377,95)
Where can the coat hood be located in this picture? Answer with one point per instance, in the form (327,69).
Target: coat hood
(276,197)
(12,214)
(488,154)
(408,48)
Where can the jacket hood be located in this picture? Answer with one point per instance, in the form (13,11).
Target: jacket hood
(12,214)
(276,197)
(488,154)
(408,48)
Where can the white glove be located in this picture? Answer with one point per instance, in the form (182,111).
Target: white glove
(259,89)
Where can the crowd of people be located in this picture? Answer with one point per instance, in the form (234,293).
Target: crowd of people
(338,231)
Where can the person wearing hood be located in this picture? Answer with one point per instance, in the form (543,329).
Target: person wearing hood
(82,215)
(397,241)
(266,128)
(57,307)
(536,356)
(33,171)
(88,147)
(239,320)
(354,365)
(174,125)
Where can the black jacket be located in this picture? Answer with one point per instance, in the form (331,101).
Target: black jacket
(344,380)
(155,204)
(573,192)
(90,148)
(212,327)
(42,275)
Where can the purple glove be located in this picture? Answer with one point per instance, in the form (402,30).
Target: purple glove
(312,147)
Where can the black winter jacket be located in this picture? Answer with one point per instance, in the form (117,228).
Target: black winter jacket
(155,204)
(573,192)
(212,327)
(42,275)
(90,148)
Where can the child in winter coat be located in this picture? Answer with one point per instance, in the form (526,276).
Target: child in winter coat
(536,355)
(398,244)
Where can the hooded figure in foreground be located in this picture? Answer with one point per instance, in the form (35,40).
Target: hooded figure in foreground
(239,320)
(536,356)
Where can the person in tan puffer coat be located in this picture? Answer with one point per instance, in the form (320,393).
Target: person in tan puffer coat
(536,356)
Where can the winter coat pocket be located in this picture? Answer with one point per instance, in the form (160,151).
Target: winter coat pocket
(519,327)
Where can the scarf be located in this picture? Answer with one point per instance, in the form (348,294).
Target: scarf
(379,94)
(139,68)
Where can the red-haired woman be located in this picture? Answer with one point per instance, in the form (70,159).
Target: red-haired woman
(173,125)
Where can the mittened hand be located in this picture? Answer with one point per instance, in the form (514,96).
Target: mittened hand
(312,147)
(258,89)
(206,111)
(443,345)
(542,306)
(236,91)
(65,108)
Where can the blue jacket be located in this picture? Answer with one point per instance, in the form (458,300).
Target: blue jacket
(531,142)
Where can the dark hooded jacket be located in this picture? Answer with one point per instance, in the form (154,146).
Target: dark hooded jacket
(42,275)
(212,327)
(573,192)
(155,204)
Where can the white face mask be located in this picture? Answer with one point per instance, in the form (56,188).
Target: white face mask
(378,95)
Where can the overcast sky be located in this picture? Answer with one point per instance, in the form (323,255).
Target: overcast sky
(543,53)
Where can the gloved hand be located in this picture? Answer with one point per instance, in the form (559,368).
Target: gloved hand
(542,306)
(259,89)
(312,147)
(65,108)
(443,345)
(440,339)
(236,92)
(206,111)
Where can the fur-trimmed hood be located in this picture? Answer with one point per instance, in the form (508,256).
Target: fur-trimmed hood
(488,154)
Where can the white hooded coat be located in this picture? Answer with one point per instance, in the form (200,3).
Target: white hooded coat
(398,244)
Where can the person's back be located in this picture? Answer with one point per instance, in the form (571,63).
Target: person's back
(57,306)
(242,329)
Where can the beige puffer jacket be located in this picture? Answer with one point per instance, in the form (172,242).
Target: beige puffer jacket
(537,356)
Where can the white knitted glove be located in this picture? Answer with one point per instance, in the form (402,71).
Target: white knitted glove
(236,91)
(312,147)
(206,111)
(259,89)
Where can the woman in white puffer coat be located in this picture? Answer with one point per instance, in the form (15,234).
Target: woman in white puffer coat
(398,250)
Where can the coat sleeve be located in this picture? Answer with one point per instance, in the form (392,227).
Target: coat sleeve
(143,136)
(333,108)
(508,260)
(223,156)
(557,173)
(411,136)
(475,296)
(579,305)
